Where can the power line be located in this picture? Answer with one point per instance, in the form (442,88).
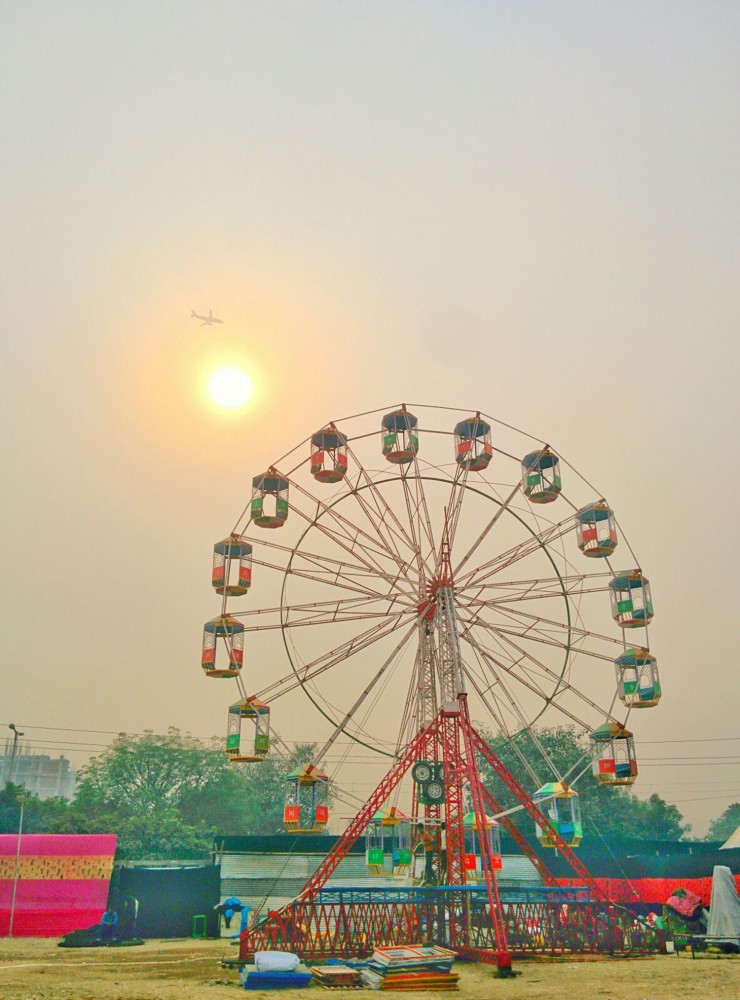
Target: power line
(710,798)
(686,764)
(120,732)
(712,739)
(724,756)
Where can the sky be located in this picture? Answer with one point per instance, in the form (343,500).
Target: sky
(527,209)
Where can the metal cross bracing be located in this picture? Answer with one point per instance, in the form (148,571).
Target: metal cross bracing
(344,929)
(448,645)
(426,667)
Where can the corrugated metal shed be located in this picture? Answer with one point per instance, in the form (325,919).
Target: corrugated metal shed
(271,880)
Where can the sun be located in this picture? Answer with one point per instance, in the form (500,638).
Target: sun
(229,387)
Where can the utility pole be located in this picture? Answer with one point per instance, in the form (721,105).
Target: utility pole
(16,736)
(17,870)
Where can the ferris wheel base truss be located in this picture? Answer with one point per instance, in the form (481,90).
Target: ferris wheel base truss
(477,925)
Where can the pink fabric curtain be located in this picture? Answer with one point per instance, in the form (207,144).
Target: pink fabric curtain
(62,882)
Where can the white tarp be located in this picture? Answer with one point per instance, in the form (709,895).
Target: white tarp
(276,961)
(724,909)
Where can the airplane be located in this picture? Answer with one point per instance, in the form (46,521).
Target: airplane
(208,320)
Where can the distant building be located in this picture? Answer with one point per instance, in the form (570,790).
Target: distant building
(44,776)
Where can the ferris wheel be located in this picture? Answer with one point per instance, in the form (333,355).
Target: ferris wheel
(398,557)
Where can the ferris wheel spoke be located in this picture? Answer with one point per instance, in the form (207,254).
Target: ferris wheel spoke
(540,587)
(515,554)
(538,624)
(471,551)
(454,507)
(371,514)
(485,688)
(349,542)
(411,721)
(500,722)
(421,506)
(384,511)
(499,665)
(324,565)
(503,671)
(514,665)
(339,605)
(530,681)
(329,659)
(561,683)
(332,578)
(522,758)
(542,640)
(316,619)
(418,526)
(536,595)
(564,685)
(349,715)
(346,534)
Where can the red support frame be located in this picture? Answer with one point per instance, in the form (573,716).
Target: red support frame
(452,737)
(503,956)
(537,815)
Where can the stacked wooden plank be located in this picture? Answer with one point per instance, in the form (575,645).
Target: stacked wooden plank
(336,977)
(411,967)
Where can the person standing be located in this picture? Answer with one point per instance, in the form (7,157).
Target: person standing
(443,853)
(426,839)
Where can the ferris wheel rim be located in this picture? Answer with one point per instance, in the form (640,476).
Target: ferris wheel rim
(327,506)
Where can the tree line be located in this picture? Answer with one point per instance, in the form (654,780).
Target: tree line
(166,796)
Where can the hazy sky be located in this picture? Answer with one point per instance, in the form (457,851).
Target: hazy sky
(526,208)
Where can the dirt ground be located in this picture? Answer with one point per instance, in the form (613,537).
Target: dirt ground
(33,969)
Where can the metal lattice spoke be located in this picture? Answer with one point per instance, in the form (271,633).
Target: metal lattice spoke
(388,518)
(500,665)
(330,659)
(515,554)
(349,716)
(350,536)
(326,612)
(473,548)
(540,625)
(561,684)
(322,569)
(523,590)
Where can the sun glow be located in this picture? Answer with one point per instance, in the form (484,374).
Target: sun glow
(229,388)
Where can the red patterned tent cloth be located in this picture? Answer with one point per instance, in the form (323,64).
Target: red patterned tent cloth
(654,891)
(61,882)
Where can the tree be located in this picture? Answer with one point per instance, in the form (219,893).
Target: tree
(607,812)
(166,796)
(150,772)
(38,814)
(725,825)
